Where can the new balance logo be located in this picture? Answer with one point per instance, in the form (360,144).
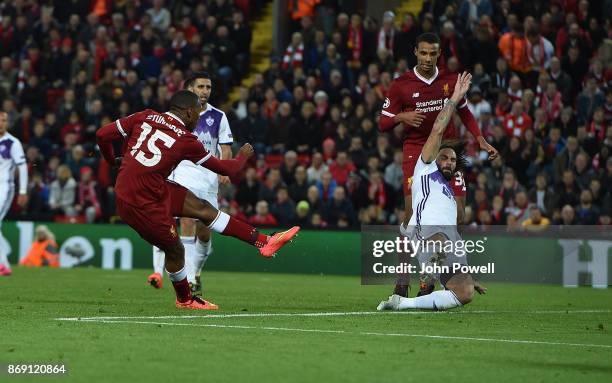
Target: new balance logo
(415,95)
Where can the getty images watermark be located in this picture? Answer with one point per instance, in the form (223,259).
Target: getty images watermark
(564,255)
(421,251)
(432,248)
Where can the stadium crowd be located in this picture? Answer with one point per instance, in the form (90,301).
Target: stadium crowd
(541,94)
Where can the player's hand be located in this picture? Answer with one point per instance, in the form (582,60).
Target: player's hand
(22,200)
(224,180)
(413,118)
(480,288)
(461,86)
(484,145)
(118,161)
(246,151)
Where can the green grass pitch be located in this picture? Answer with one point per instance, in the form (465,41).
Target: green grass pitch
(515,333)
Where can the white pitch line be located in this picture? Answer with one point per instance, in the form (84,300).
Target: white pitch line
(361,333)
(321,314)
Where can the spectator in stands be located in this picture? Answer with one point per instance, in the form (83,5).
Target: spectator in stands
(316,168)
(248,189)
(517,121)
(262,216)
(552,102)
(326,186)
(283,208)
(586,212)
(339,210)
(589,100)
(535,222)
(279,132)
(268,189)
(160,16)
(294,54)
(582,170)
(88,203)
(562,79)
(568,216)
(567,192)
(394,175)
(542,196)
(513,46)
(63,192)
(341,167)
(298,190)
(566,158)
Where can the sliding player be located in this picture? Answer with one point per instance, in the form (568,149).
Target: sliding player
(148,202)
(435,218)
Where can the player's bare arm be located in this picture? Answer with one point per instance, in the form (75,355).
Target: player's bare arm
(432,146)
(230,167)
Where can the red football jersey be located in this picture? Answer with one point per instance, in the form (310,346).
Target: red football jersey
(413,92)
(156,144)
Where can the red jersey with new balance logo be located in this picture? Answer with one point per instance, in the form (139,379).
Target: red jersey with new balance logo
(156,143)
(413,92)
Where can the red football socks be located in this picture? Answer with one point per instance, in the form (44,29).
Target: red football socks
(183,292)
(245,232)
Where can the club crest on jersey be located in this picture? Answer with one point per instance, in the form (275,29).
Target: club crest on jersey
(387,103)
(415,95)
(210,121)
(445,89)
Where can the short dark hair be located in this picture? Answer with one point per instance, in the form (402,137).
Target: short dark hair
(195,76)
(459,147)
(183,99)
(428,37)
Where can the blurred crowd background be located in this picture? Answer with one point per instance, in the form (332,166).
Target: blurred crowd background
(541,94)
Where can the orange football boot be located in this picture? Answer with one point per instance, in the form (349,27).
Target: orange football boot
(196,303)
(278,240)
(156,280)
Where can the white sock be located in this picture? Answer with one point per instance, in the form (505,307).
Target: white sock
(190,255)
(202,251)
(220,222)
(438,300)
(178,276)
(159,260)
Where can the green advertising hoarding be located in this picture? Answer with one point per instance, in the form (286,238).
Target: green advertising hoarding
(570,261)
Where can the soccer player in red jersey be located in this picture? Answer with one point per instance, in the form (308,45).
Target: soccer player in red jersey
(155,144)
(415,99)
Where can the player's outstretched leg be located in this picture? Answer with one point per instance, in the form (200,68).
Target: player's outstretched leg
(460,291)
(175,267)
(223,223)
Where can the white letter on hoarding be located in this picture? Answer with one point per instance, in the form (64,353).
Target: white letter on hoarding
(597,267)
(26,237)
(110,246)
